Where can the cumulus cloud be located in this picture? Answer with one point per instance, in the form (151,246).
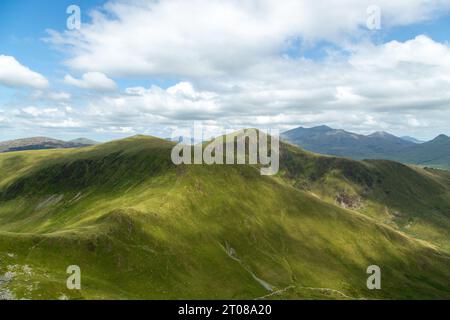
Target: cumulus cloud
(92,80)
(65,123)
(14,74)
(421,50)
(59,96)
(395,86)
(214,37)
(39,120)
(180,101)
(50,95)
(36,112)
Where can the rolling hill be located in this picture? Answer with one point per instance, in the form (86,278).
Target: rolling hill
(434,153)
(39,143)
(140,227)
(379,145)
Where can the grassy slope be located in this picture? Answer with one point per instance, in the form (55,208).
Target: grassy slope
(411,199)
(140,227)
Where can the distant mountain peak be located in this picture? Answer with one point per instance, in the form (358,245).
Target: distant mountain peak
(441,137)
(381,134)
(322,128)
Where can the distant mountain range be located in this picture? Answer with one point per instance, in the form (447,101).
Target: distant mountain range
(321,139)
(38,143)
(378,145)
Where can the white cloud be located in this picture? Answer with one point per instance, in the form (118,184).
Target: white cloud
(66,123)
(3,118)
(353,92)
(59,96)
(421,50)
(36,112)
(219,38)
(14,74)
(54,96)
(179,101)
(123,130)
(92,80)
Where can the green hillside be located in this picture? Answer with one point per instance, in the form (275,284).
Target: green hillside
(434,153)
(411,199)
(140,227)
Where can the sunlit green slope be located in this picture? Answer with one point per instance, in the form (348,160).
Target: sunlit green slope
(411,199)
(141,227)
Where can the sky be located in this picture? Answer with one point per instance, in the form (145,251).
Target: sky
(155,67)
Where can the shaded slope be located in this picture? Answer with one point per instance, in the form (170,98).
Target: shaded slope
(434,153)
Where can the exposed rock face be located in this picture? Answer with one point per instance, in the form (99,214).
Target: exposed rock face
(348,201)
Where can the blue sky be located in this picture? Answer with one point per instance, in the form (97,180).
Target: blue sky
(153,67)
(23,28)
(24,24)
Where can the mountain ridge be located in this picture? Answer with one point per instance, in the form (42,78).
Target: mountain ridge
(141,227)
(39,143)
(378,145)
